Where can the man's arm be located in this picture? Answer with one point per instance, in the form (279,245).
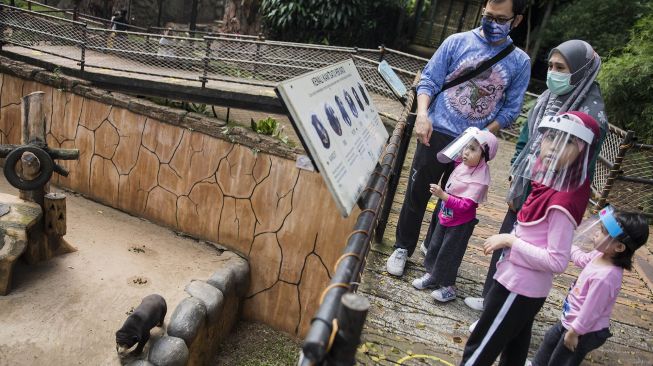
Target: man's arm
(423,126)
(429,86)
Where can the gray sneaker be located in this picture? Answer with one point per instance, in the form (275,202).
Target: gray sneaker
(423,282)
(444,294)
(397,262)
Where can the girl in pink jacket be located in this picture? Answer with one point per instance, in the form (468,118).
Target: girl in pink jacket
(585,322)
(466,187)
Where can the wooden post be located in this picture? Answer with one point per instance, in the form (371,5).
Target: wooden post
(33,133)
(48,243)
(351,318)
(55,214)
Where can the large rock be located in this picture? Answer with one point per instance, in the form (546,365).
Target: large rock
(187,319)
(211,297)
(235,277)
(169,351)
(241,276)
(223,280)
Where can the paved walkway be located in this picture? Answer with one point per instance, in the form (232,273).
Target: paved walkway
(405,326)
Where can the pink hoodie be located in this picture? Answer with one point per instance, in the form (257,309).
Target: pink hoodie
(541,250)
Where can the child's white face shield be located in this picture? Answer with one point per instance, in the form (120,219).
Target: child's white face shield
(454,151)
(598,231)
(557,156)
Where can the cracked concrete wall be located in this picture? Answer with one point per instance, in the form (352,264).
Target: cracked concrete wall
(230,187)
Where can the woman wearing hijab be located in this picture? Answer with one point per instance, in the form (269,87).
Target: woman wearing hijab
(572,86)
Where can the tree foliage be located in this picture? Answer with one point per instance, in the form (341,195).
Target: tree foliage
(341,22)
(605,24)
(626,82)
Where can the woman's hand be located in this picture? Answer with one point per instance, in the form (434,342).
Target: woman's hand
(571,339)
(499,241)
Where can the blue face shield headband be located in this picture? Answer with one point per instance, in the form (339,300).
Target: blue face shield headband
(610,223)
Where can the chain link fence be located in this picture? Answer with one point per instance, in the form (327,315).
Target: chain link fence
(204,58)
(633,186)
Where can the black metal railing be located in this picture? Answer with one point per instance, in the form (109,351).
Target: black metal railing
(213,57)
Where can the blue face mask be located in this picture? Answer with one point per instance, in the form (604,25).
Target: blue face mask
(559,83)
(495,32)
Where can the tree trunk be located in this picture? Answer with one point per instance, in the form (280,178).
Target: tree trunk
(193,15)
(528,29)
(158,17)
(538,40)
(241,16)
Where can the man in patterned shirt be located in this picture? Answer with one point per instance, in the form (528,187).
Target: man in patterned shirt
(490,100)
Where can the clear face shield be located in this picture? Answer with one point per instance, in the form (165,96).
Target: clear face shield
(557,156)
(454,151)
(598,231)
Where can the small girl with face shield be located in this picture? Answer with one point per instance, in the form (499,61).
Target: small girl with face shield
(613,237)
(466,187)
(556,162)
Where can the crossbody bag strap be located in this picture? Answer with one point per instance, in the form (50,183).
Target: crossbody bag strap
(482,67)
(477,71)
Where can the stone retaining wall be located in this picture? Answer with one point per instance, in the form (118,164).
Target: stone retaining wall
(224,184)
(201,322)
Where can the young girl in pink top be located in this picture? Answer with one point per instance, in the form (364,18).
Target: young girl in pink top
(555,160)
(466,188)
(585,321)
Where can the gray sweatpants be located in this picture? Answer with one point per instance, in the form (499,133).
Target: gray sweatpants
(446,251)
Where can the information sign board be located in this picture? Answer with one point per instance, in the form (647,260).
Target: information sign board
(339,125)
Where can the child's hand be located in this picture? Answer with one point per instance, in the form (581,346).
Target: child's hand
(436,191)
(571,339)
(499,241)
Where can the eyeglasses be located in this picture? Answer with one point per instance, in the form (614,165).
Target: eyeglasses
(497,20)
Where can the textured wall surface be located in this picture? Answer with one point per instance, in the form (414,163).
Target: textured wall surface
(228,186)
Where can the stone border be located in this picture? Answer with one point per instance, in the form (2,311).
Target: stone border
(173,116)
(201,322)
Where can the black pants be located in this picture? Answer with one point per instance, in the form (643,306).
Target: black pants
(426,169)
(552,351)
(446,251)
(506,227)
(504,328)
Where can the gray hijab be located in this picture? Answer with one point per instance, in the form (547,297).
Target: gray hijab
(584,65)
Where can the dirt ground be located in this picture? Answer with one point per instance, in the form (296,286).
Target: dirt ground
(66,311)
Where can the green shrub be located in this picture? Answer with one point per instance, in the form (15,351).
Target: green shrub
(603,23)
(271,127)
(626,83)
(342,22)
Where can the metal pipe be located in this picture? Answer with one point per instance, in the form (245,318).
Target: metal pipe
(626,178)
(36,13)
(83,46)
